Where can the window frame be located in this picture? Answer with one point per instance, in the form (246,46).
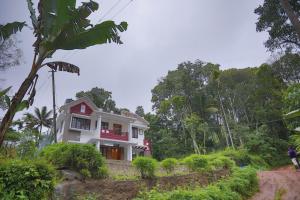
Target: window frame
(80,117)
(135,135)
(107,128)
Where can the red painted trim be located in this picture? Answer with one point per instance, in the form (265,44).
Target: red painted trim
(109,134)
(76,109)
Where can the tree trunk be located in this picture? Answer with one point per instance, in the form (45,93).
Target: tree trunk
(196,148)
(204,145)
(293,16)
(225,121)
(17,99)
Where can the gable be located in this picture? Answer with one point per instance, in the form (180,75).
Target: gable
(82,109)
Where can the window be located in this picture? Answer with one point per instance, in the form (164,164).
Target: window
(104,125)
(118,129)
(96,124)
(82,108)
(80,123)
(135,132)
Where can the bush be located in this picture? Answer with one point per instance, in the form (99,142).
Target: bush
(82,158)
(243,158)
(169,164)
(32,180)
(241,185)
(26,150)
(146,166)
(196,162)
(217,162)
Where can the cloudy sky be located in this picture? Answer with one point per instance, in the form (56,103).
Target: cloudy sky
(161,34)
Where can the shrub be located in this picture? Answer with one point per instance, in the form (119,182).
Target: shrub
(26,149)
(240,157)
(146,166)
(195,162)
(217,162)
(169,164)
(78,157)
(243,158)
(241,185)
(32,180)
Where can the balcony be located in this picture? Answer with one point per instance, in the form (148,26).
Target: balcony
(110,134)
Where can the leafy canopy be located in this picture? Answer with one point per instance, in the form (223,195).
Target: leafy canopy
(273,19)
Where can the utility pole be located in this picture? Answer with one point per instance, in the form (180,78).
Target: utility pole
(54,106)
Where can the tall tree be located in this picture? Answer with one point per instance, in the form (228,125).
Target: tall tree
(288,68)
(59,25)
(39,119)
(100,97)
(140,111)
(280,18)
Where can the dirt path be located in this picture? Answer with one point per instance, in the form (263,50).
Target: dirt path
(284,182)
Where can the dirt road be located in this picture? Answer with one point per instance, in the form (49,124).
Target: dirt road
(283,182)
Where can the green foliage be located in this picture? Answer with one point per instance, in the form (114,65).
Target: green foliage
(287,68)
(218,162)
(242,184)
(77,157)
(12,135)
(68,28)
(271,149)
(10,28)
(273,19)
(196,162)
(32,180)
(100,97)
(26,149)
(146,166)
(140,111)
(291,105)
(169,164)
(241,157)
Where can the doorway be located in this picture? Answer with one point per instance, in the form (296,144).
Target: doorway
(112,152)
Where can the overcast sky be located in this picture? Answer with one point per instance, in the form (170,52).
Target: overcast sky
(161,34)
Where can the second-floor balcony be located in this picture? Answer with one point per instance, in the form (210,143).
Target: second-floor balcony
(110,134)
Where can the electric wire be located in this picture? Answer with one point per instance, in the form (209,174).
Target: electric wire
(109,11)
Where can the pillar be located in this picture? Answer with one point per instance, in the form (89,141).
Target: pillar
(129,153)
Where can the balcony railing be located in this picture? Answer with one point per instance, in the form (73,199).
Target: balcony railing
(110,134)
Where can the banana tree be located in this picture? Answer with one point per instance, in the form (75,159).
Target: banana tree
(59,25)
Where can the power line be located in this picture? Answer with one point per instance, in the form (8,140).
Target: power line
(113,7)
(122,9)
(68,54)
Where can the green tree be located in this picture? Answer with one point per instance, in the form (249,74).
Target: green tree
(288,68)
(39,119)
(291,102)
(59,25)
(140,111)
(280,19)
(196,126)
(101,98)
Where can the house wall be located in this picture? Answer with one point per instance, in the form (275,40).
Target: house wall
(68,134)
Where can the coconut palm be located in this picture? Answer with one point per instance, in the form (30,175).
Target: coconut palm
(39,119)
(36,121)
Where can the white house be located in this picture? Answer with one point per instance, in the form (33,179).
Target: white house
(118,137)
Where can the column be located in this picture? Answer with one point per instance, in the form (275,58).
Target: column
(129,152)
(98,145)
(99,126)
(130,132)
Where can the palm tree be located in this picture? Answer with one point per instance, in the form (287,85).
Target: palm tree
(39,119)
